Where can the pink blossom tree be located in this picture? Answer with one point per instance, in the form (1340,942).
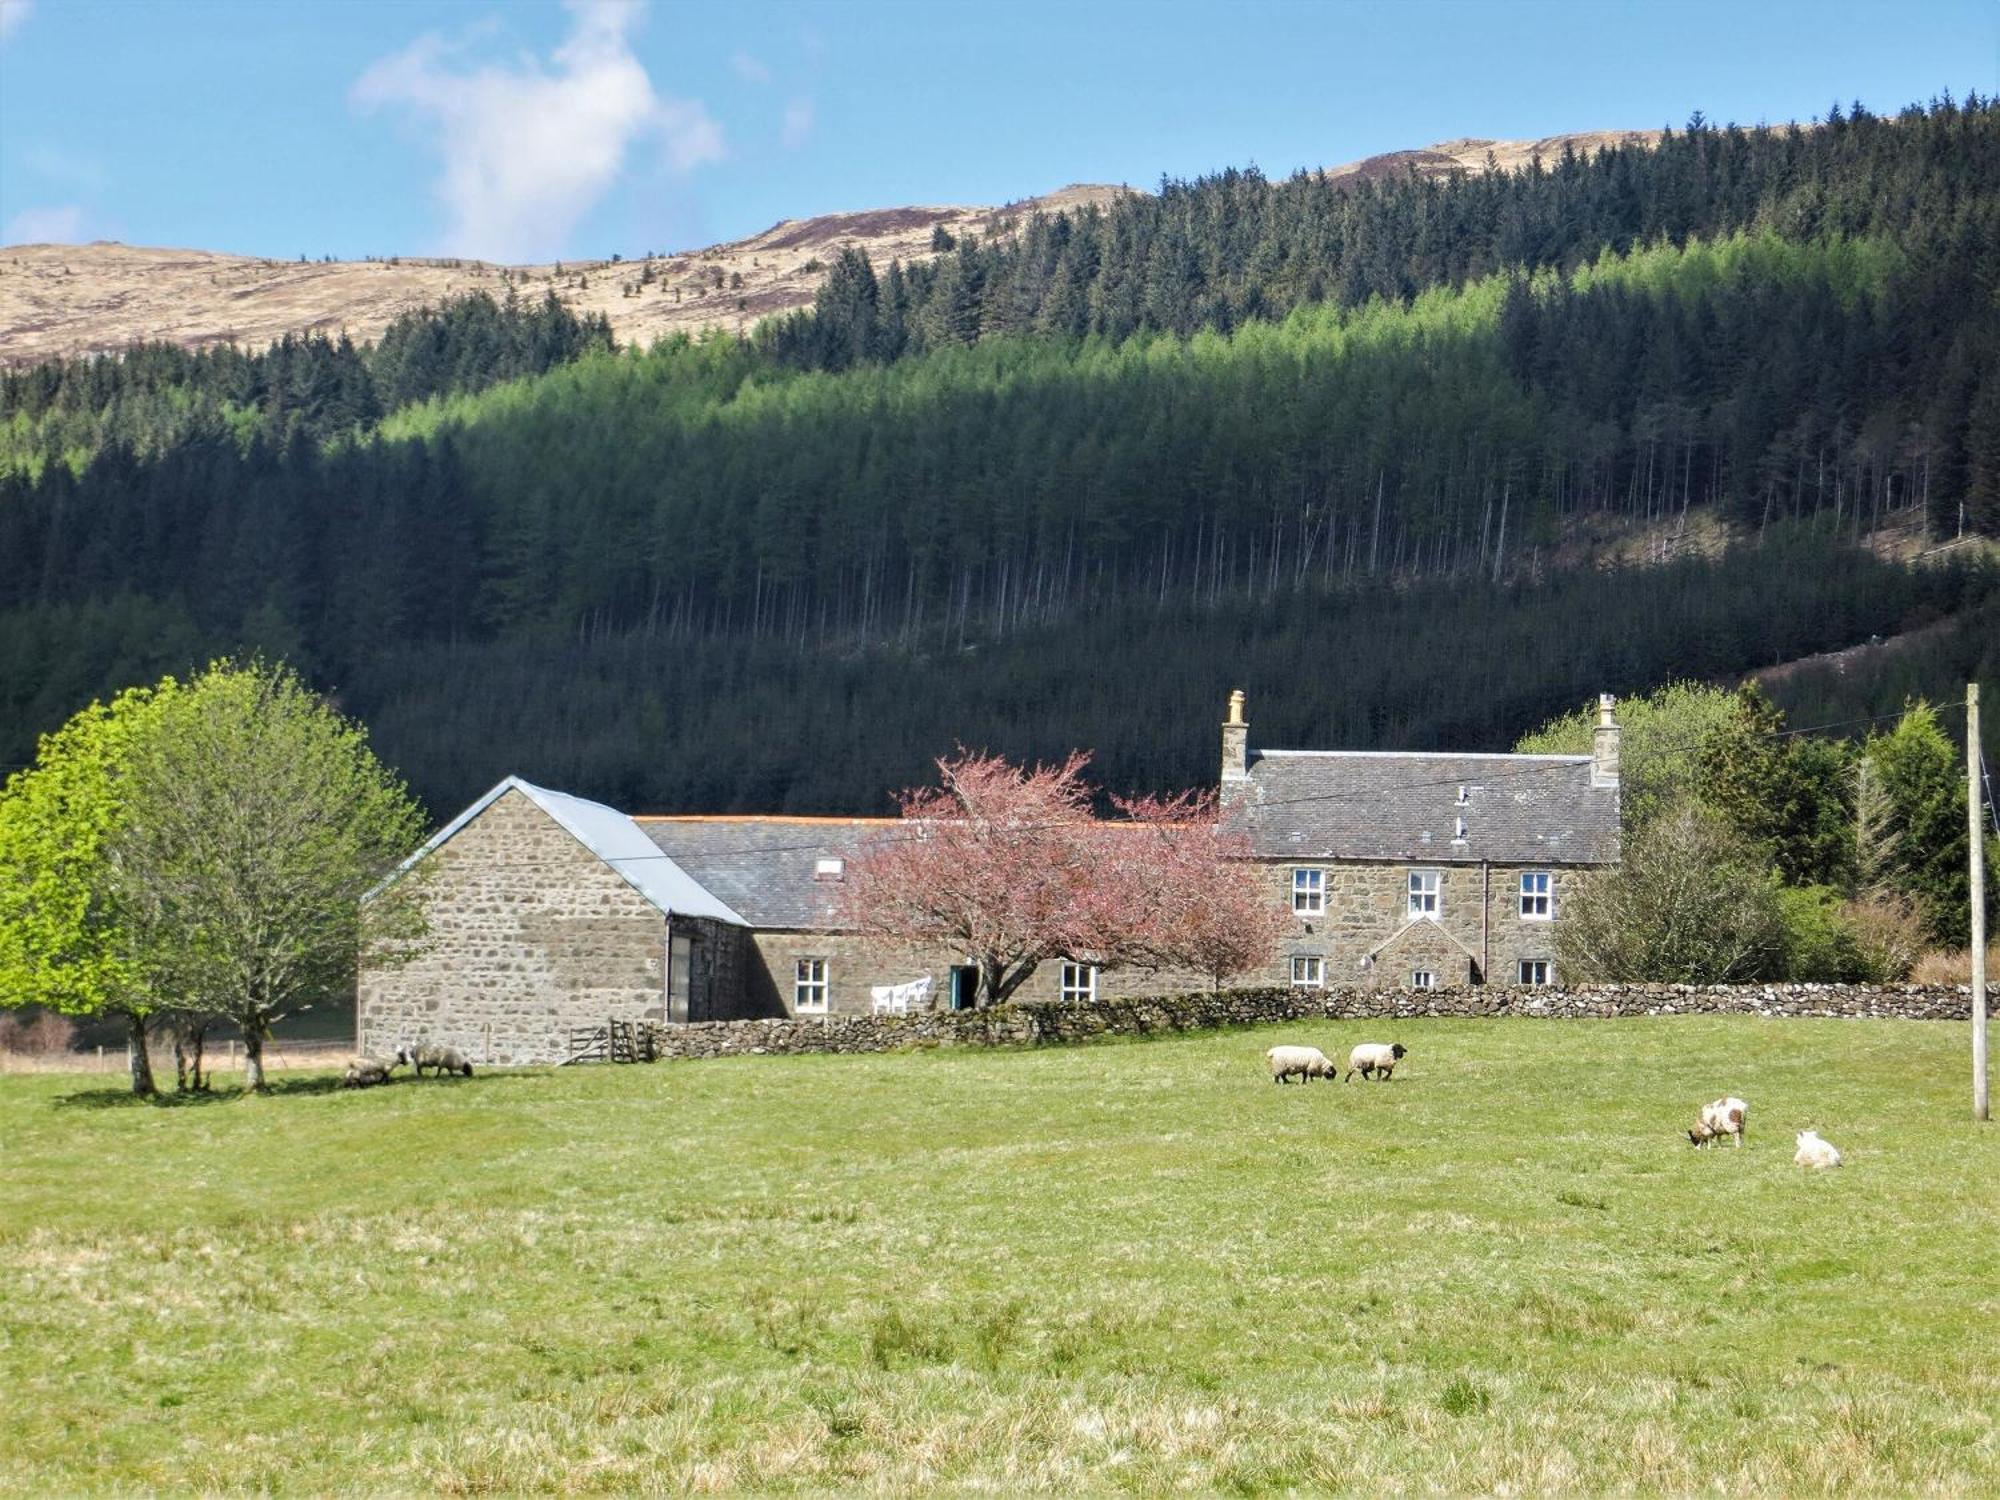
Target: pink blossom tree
(1196,901)
(1009,866)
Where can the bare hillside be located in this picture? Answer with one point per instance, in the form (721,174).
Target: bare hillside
(79,299)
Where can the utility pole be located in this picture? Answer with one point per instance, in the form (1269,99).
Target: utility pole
(1975,812)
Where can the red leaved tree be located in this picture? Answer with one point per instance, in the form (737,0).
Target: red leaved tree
(1195,900)
(1009,866)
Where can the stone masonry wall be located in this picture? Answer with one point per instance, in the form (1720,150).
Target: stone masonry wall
(856,964)
(1038,1023)
(532,935)
(1367,904)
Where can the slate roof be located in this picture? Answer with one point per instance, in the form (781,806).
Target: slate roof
(765,868)
(1405,807)
(613,838)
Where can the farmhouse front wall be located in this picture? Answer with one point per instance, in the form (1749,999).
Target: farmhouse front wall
(1364,935)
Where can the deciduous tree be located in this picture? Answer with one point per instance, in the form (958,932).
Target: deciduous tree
(67,942)
(255,820)
(1692,903)
(1010,866)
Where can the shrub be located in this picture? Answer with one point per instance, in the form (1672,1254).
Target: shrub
(1888,934)
(1819,945)
(43,1034)
(1692,903)
(1954,966)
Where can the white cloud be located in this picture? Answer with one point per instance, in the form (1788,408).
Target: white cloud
(58,224)
(12,14)
(529,148)
(750,69)
(798,127)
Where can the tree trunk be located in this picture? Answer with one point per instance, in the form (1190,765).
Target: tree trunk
(142,1065)
(253,1058)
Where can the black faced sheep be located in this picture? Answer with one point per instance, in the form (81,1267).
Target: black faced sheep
(440,1060)
(1371,1058)
(1307,1063)
(366,1072)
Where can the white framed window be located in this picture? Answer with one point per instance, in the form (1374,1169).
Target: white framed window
(1537,898)
(1424,900)
(809,987)
(1079,981)
(1423,979)
(1308,892)
(829,869)
(1308,971)
(1535,971)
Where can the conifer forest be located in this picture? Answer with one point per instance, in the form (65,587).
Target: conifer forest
(1416,461)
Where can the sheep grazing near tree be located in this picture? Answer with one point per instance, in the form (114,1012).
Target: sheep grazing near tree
(1306,1063)
(440,1060)
(1371,1058)
(1724,1117)
(366,1072)
(1814,1153)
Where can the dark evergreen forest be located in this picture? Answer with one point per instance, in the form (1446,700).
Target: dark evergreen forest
(1350,446)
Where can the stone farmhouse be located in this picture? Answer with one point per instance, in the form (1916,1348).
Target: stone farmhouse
(550,913)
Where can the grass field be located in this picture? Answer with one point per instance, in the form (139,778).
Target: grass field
(1123,1267)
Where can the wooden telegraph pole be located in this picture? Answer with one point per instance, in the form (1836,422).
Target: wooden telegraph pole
(1975,811)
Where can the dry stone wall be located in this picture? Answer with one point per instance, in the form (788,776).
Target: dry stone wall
(1039,1023)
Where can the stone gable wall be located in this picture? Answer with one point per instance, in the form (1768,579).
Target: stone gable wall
(532,934)
(1043,1023)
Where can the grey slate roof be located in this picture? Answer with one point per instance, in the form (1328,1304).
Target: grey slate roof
(613,838)
(765,867)
(1404,807)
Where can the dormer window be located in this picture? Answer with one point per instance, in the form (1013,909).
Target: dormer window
(829,869)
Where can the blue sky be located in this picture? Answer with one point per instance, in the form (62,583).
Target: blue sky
(531,128)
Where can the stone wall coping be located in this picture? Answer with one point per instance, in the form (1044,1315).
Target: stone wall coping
(1058,1022)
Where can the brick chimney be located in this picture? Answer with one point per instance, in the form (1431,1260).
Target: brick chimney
(1604,743)
(1235,741)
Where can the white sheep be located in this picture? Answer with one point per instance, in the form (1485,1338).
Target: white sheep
(1371,1058)
(1307,1062)
(1724,1117)
(1816,1153)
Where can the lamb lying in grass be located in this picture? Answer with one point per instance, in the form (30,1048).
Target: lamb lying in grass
(1371,1058)
(1814,1153)
(366,1072)
(1724,1117)
(440,1060)
(1307,1062)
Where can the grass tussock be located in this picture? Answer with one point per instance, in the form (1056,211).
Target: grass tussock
(1130,1268)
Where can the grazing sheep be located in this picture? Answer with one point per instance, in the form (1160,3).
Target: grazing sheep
(1724,1117)
(441,1060)
(1371,1058)
(1308,1062)
(366,1072)
(1814,1152)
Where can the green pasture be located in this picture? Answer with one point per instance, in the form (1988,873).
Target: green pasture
(1123,1267)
